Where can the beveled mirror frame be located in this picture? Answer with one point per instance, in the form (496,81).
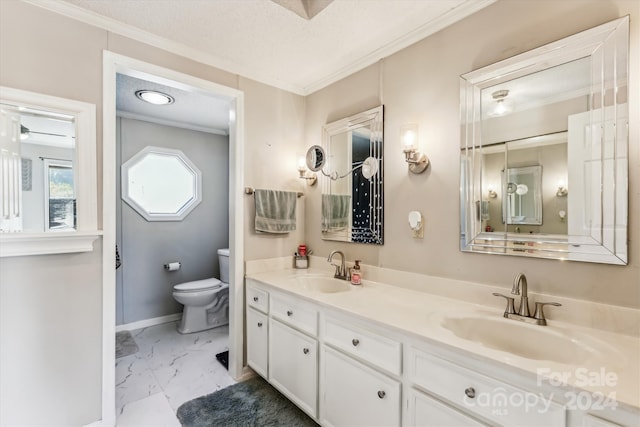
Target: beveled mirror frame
(607,46)
(375,119)
(81,239)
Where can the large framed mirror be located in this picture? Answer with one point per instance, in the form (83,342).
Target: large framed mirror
(352,181)
(47,174)
(544,151)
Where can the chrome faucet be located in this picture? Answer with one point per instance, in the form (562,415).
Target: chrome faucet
(523,314)
(341,270)
(521,281)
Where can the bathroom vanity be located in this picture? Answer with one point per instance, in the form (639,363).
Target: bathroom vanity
(383,355)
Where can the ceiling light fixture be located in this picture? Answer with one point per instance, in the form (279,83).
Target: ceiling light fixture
(502,106)
(154,97)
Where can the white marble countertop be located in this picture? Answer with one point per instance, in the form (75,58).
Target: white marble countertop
(611,367)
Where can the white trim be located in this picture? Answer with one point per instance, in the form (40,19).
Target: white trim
(95,424)
(149,322)
(109,24)
(112,64)
(420,33)
(175,124)
(63,242)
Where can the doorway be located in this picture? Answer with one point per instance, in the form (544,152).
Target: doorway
(113,65)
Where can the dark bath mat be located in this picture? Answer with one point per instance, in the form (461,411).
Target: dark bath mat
(125,344)
(253,403)
(223,358)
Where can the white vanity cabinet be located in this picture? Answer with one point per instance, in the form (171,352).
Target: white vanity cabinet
(355,395)
(425,411)
(257,341)
(293,350)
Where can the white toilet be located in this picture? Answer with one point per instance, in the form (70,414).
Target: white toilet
(206,302)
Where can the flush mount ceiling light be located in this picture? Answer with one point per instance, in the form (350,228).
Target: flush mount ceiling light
(154,97)
(502,106)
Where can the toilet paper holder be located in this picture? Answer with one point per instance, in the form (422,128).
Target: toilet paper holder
(172,266)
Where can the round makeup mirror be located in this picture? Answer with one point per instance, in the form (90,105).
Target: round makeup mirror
(369,167)
(315,158)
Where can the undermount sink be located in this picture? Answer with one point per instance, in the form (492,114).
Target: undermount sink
(325,285)
(525,340)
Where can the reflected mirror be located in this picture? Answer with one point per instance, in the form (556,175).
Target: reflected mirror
(544,168)
(161,184)
(352,186)
(37,170)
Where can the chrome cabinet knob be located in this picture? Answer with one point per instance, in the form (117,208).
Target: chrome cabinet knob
(259,324)
(381,394)
(470,392)
(289,313)
(305,350)
(255,299)
(355,342)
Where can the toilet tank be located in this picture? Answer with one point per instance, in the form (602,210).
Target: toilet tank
(223,258)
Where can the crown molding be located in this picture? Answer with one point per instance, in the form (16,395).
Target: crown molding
(91,18)
(126,30)
(402,42)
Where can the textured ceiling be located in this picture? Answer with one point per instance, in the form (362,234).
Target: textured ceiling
(264,41)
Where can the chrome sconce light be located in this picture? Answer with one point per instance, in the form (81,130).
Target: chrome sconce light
(418,162)
(562,189)
(304,173)
(491,192)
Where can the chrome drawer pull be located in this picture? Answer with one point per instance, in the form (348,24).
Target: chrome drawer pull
(381,394)
(289,313)
(255,299)
(470,392)
(305,350)
(355,342)
(259,324)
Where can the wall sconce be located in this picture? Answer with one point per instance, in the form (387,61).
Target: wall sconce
(492,193)
(418,162)
(562,189)
(304,173)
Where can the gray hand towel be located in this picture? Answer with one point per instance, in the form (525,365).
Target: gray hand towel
(335,211)
(275,211)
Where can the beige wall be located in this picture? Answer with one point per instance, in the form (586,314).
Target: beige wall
(51,306)
(421,85)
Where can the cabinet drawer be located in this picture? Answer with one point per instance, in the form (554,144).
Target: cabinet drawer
(295,313)
(493,399)
(355,395)
(258,298)
(370,346)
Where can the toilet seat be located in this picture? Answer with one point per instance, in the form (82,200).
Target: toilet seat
(198,285)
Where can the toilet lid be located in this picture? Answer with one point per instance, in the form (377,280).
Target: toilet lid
(211,283)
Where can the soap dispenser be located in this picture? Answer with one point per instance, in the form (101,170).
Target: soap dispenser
(356,274)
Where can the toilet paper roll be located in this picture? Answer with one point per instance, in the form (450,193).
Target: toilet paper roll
(172,266)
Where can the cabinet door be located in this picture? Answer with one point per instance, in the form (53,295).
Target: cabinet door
(356,395)
(293,366)
(257,341)
(425,411)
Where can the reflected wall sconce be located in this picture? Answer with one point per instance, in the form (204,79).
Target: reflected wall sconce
(562,189)
(418,162)
(492,193)
(304,173)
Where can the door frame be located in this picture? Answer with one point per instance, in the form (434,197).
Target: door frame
(115,63)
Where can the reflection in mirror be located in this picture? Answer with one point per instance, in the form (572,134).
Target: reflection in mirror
(352,189)
(544,169)
(161,184)
(37,172)
(316,161)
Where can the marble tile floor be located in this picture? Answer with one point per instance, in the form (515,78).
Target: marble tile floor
(168,370)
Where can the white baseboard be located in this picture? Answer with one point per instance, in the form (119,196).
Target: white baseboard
(149,322)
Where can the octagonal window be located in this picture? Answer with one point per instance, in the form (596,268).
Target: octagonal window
(161,184)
